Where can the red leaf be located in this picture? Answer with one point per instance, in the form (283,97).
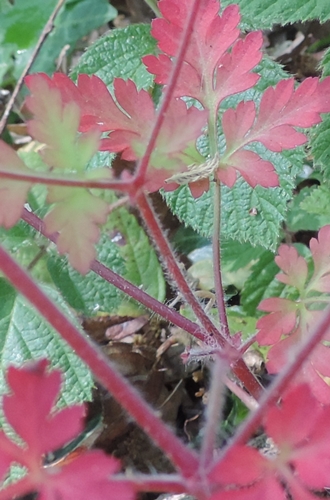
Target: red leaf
(281,320)
(29,410)
(294,267)
(209,72)
(281,109)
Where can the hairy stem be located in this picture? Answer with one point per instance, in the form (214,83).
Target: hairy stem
(213,412)
(151,221)
(240,369)
(186,460)
(125,286)
(213,142)
(217,261)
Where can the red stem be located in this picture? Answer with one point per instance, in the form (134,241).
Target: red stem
(151,221)
(298,357)
(125,286)
(239,367)
(52,180)
(184,458)
(188,30)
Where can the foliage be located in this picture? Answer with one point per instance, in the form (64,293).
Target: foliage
(195,111)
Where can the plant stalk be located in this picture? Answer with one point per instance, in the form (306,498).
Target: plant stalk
(184,458)
(298,356)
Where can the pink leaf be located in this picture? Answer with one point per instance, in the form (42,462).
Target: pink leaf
(281,109)
(29,410)
(301,443)
(211,71)
(294,267)
(88,476)
(281,320)
(320,249)
(13,193)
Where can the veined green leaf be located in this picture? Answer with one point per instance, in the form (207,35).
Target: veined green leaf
(26,336)
(118,55)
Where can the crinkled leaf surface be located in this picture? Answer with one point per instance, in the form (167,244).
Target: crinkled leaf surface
(118,54)
(90,293)
(262,14)
(26,336)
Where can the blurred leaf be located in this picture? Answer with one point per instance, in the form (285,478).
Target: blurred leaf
(262,14)
(75,20)
(309,210)
(27,336)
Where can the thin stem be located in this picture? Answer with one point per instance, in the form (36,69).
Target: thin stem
(240,369)
(185,459)
(217,261)
(151,221)
(297,357)
(188,30)
(52,180)
(154,7)
(45,32)
(213,412)
(125,286)
(213,144)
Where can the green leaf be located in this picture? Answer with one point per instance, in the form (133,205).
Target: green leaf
(317,203)
(91,293)
(261,284)
(75,20)
(320,137)
(22,22)
(27,336)
(309,210)
(142,265)
(263,14)
(252,215)
(118,54)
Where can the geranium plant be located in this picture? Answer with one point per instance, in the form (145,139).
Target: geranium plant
(208,127)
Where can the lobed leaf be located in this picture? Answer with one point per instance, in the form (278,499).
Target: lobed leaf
(75,217)
(210,72)
(56,122)
(281,109)
(29,410)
